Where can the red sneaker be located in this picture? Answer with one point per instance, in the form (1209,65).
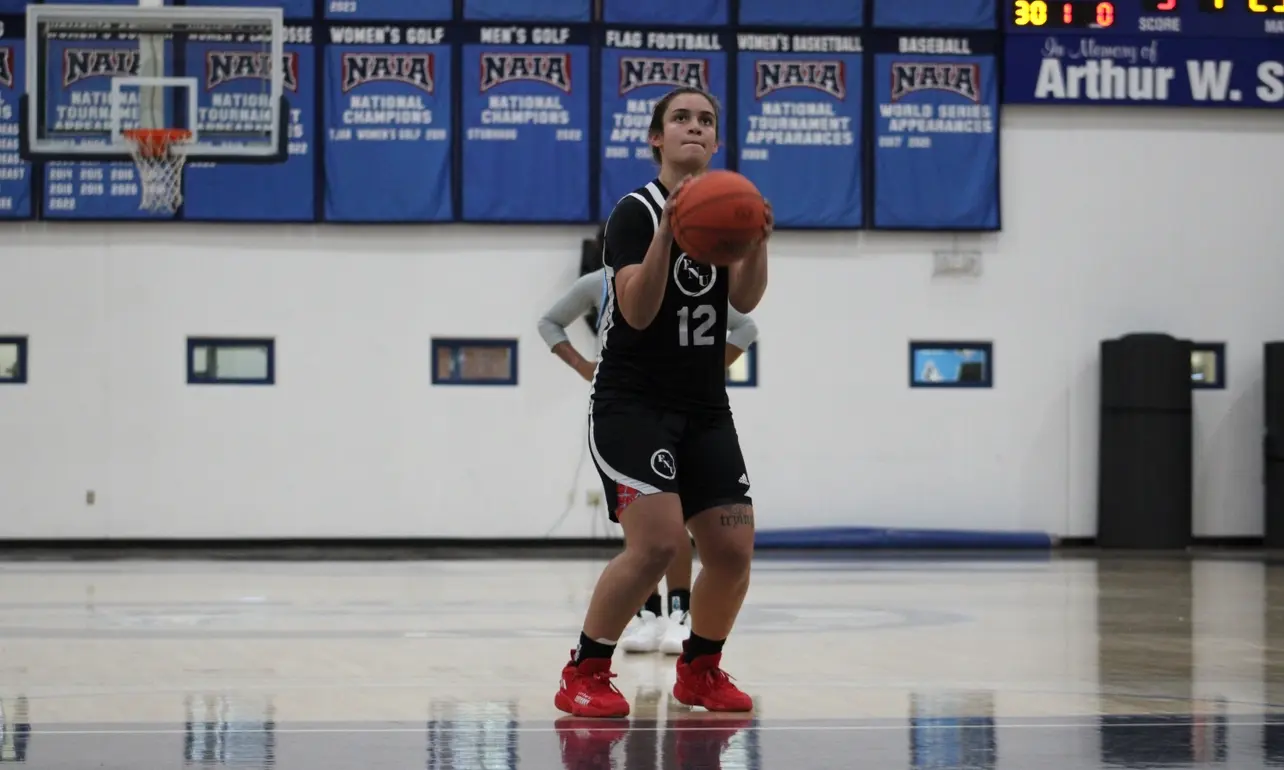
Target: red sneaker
(702,683)
(587,691)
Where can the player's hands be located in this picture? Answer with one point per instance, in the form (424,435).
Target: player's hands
(770,226)
(586,370)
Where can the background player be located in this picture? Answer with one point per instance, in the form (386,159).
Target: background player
(660,426)
(656,626)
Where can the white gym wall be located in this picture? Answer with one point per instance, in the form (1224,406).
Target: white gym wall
(1114,221)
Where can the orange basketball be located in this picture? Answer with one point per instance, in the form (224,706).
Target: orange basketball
(718,217)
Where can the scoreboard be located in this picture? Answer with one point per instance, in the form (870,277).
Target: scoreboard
(1205,53)
(847,114)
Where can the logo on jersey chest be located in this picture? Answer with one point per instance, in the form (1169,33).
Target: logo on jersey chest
(693,279)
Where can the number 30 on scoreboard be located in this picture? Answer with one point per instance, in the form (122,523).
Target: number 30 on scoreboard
(1076,14)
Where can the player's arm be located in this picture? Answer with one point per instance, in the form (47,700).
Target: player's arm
(552,325)
(638,251)
(741,333)
(748,277)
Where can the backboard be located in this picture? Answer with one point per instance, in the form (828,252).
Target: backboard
(94,72)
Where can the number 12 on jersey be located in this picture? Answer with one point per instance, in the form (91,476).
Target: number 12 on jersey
(705,316)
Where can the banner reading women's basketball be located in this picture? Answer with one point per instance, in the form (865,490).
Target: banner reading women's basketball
(639,67)
(234,83)
(799,126)
(15,173)
(936,142)
(526,125)
(388,126)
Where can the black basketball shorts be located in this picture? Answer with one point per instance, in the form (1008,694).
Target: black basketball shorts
(639,450)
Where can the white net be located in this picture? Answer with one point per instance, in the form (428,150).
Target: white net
(160,169)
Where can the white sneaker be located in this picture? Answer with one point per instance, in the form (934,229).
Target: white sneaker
(643,633)
(676,632)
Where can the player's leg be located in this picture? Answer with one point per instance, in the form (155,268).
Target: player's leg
(715,494)
(632,450)
(677,611)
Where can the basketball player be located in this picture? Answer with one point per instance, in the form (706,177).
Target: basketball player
(660,426)
(649,630)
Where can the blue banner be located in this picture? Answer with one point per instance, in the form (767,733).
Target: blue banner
(16,8)
(1142,71)
(665,12)
(529,10)
(15,173)
(76,105)
(639,67)
(388,10)
(800,130)
(294,9)
(233,107)
(936,142)
(388,133)
(526,122)
(936,14)
(813,13)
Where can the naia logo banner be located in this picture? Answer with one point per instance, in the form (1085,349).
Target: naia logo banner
(525,106)
(639,67)
(388,127)
(936,140)
(799,126)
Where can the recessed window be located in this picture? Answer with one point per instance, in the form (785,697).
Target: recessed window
(951,364)
(474,361)
(230,361)
(1208,365)
(13,360)
(743,372)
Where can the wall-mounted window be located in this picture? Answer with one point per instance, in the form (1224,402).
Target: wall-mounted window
(951,364)
(13,360)
(744,372)
(231,361)
(1208,365)
(474,361)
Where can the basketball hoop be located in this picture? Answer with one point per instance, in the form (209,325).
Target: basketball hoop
(160,169)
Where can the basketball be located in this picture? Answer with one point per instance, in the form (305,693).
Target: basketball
(718,217)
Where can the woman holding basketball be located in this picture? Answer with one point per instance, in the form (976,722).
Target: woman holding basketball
(660,426)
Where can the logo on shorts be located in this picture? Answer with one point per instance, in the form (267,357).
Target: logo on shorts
(663,464)
(693,278)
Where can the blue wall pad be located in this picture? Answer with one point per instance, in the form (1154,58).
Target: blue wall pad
(870,537)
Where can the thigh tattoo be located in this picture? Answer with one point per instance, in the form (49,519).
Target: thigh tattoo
(738,515)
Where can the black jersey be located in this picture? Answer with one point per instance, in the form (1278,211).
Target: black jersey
(678,362)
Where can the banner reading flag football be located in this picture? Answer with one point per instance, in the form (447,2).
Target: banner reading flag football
(15,173)
(936,148)
(526,124)
(387,126)
(233,102)
(639,67)
(800,126)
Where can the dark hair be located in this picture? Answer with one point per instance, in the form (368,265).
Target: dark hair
(662,106)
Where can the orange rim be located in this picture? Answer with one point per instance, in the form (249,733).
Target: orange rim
(155,142)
